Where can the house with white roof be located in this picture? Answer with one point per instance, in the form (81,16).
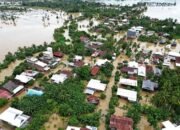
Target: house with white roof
(101,62)
(23,78)
(96,85)
(173,55)
(129,82)
(129,94)
(30,73)
(14,117)
(141,70)
(78,58)
(169,126)
(59,78)
(133,64)
(73,128)
(41,66)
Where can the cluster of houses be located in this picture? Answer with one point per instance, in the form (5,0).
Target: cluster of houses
(134,69)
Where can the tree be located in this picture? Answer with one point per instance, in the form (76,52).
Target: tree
(83,72)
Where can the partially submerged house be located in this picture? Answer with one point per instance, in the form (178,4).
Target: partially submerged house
(149,85)
(14,117)
(59,78)
(13,88)
(5,94)
(93,99)
(101,62)
(128,82)
(95,85)
(170,126)
(95,70)
(23,78)
(120,123)
(128,94)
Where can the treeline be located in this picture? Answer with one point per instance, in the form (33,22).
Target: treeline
(169,93)
(21,54)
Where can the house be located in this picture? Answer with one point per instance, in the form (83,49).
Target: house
(59,78)
(93,100)
(31,60)
(133,64)
(78,58)
(23,78)
(149,69)
(131,33)
(157,71)
(167,61)
(173,55)
(128,82)
(178,61)
(14,117)
(48,54)
(91,128)
(169,126)
(58,54)
(129,70)
(30,73)
(41,66)
(157,57)
(141,70)
(101,62)
(120,123)
(129,94)
(149,85)
(95,70)
(73,128)
(5,94)
(34,92)
(13,87)
(96,85)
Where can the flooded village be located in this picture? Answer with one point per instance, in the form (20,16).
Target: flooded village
(95,68)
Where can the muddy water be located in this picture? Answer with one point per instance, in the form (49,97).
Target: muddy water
(8,72)
(31,27)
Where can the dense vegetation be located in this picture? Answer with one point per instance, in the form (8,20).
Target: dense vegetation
(55,100)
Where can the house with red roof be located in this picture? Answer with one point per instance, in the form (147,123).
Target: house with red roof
(95,70)
(121,123)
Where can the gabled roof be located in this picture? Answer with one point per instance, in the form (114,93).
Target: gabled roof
(129,82)
(23,78)
(14,117)
(5,94)
(121,123)
(59,78)
(149,85)
(12,87)
(95,70)
(101,62)
(96,85)
(129,94)
(58,54)
(169,126)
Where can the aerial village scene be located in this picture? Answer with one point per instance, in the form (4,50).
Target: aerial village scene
(106,67)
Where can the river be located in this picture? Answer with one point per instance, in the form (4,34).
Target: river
(31,27)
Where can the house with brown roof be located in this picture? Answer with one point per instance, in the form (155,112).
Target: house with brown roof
(93,99)
(120,123)
(58,54)
(95,70)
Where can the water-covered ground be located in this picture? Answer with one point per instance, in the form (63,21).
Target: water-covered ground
(31,27)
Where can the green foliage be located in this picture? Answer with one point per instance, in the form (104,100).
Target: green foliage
(3,102)
(103,96)
(106,69)
(168,96)
(134,112)
(151,39)
(83,72)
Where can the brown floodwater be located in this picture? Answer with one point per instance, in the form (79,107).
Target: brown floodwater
(31,27)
